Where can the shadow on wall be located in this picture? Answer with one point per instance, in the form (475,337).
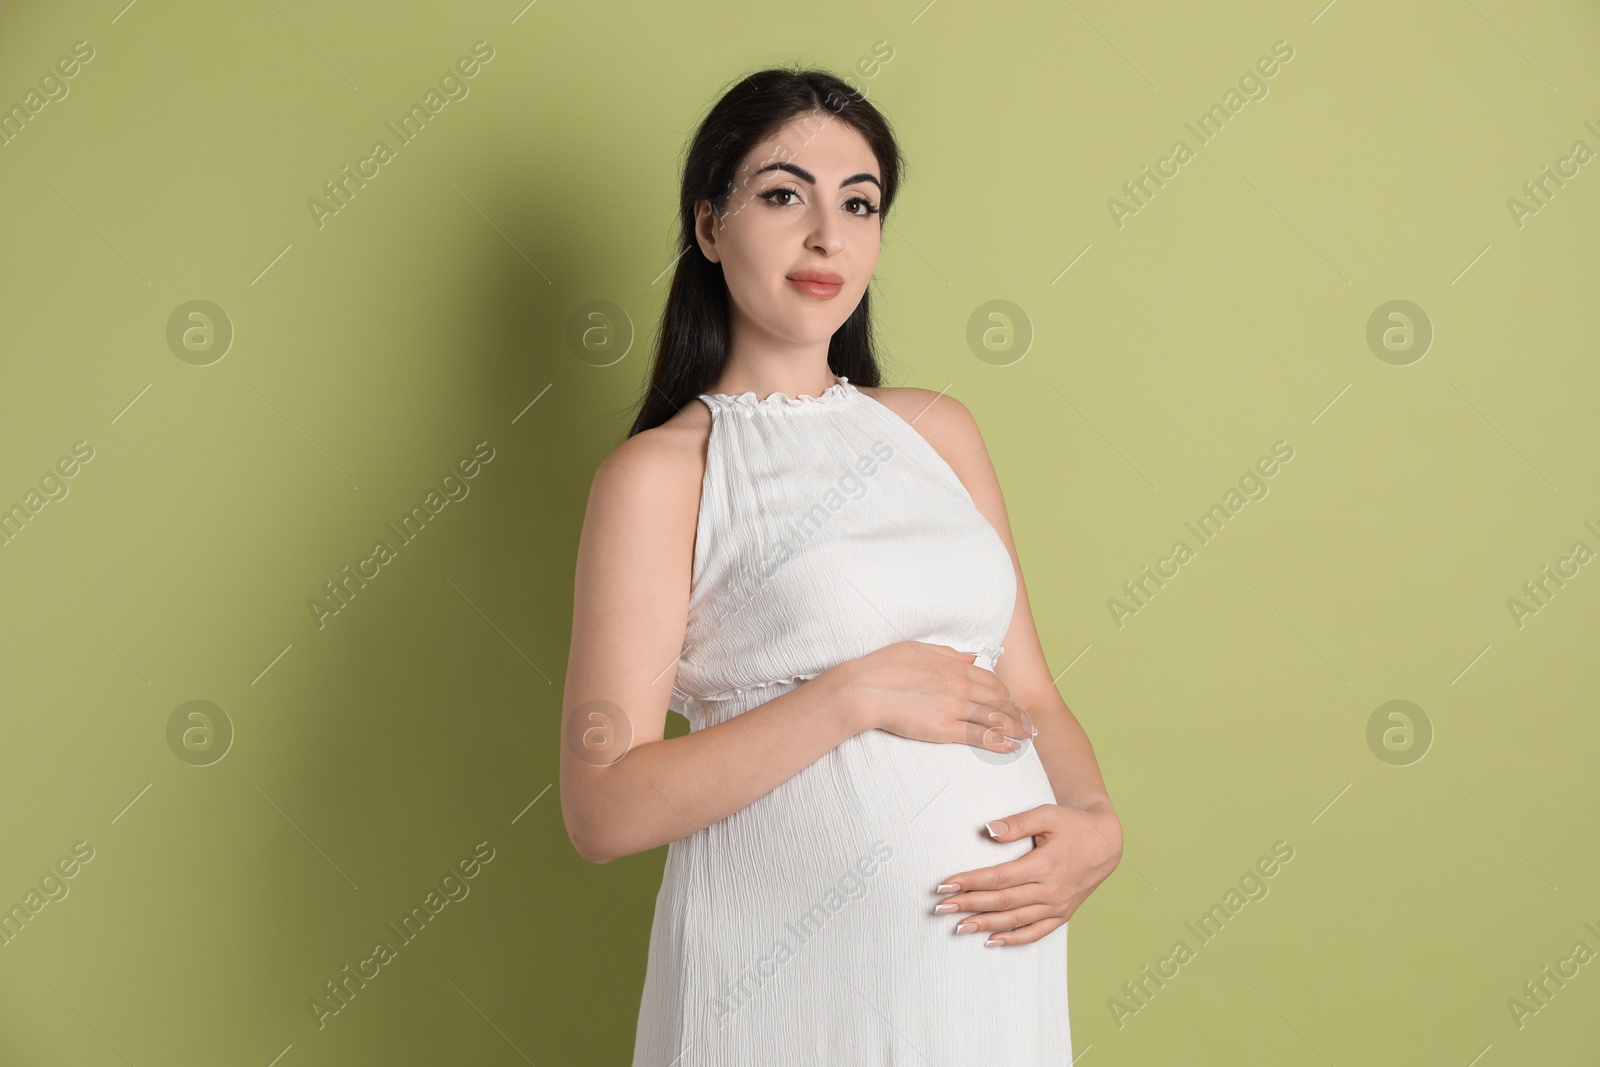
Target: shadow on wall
(428,709)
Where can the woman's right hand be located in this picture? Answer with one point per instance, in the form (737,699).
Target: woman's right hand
(931,693)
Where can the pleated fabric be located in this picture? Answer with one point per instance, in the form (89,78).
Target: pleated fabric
(800,929)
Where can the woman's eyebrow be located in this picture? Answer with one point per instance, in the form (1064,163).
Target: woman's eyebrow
(807,175)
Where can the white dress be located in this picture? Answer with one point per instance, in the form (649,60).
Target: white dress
(800,929)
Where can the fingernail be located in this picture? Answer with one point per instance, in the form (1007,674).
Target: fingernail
(946,906)
(1027,724)
(964,927)
(1012,744)
(948,887)
(996,828)
(991,943)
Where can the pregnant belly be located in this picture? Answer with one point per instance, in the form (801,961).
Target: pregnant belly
(840,860)
(918,806)
(810,912)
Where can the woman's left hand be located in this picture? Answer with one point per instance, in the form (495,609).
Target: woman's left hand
(1022,900)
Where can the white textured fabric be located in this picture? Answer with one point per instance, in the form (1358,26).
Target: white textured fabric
(800,929)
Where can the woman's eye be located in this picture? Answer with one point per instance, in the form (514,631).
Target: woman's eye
(859,206)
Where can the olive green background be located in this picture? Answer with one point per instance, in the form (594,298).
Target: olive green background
(1134,375)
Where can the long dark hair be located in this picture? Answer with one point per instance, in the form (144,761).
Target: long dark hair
(692,344)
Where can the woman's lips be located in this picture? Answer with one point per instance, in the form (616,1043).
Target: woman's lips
(820,290)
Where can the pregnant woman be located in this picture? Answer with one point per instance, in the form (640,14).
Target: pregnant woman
(877,827)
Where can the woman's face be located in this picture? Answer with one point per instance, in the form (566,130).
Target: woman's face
(804,202)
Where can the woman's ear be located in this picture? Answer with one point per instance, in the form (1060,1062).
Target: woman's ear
(705,229)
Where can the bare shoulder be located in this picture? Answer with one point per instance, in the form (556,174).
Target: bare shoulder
(656,475)
(943,421)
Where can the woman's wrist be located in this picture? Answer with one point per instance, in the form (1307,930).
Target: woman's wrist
(1092,801)
(838,698)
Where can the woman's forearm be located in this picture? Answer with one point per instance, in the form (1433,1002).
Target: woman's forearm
(1066,753)
(664,790)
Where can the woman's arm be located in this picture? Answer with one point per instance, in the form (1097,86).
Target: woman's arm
(623,788)
(1062,745)
(1077,841)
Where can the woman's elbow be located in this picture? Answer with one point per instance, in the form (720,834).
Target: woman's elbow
(590,853)
(581,826)
(588,844)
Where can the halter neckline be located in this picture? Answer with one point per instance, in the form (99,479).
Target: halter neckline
(834,394)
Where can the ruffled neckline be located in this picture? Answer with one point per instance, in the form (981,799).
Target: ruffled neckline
(836,393)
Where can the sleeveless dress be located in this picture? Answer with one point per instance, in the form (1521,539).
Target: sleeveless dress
(800,929)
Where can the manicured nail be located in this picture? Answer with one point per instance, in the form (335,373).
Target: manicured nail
(996,828)
(946,906)
(991,943)
(948,887)
(964,927)
(1027,724)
